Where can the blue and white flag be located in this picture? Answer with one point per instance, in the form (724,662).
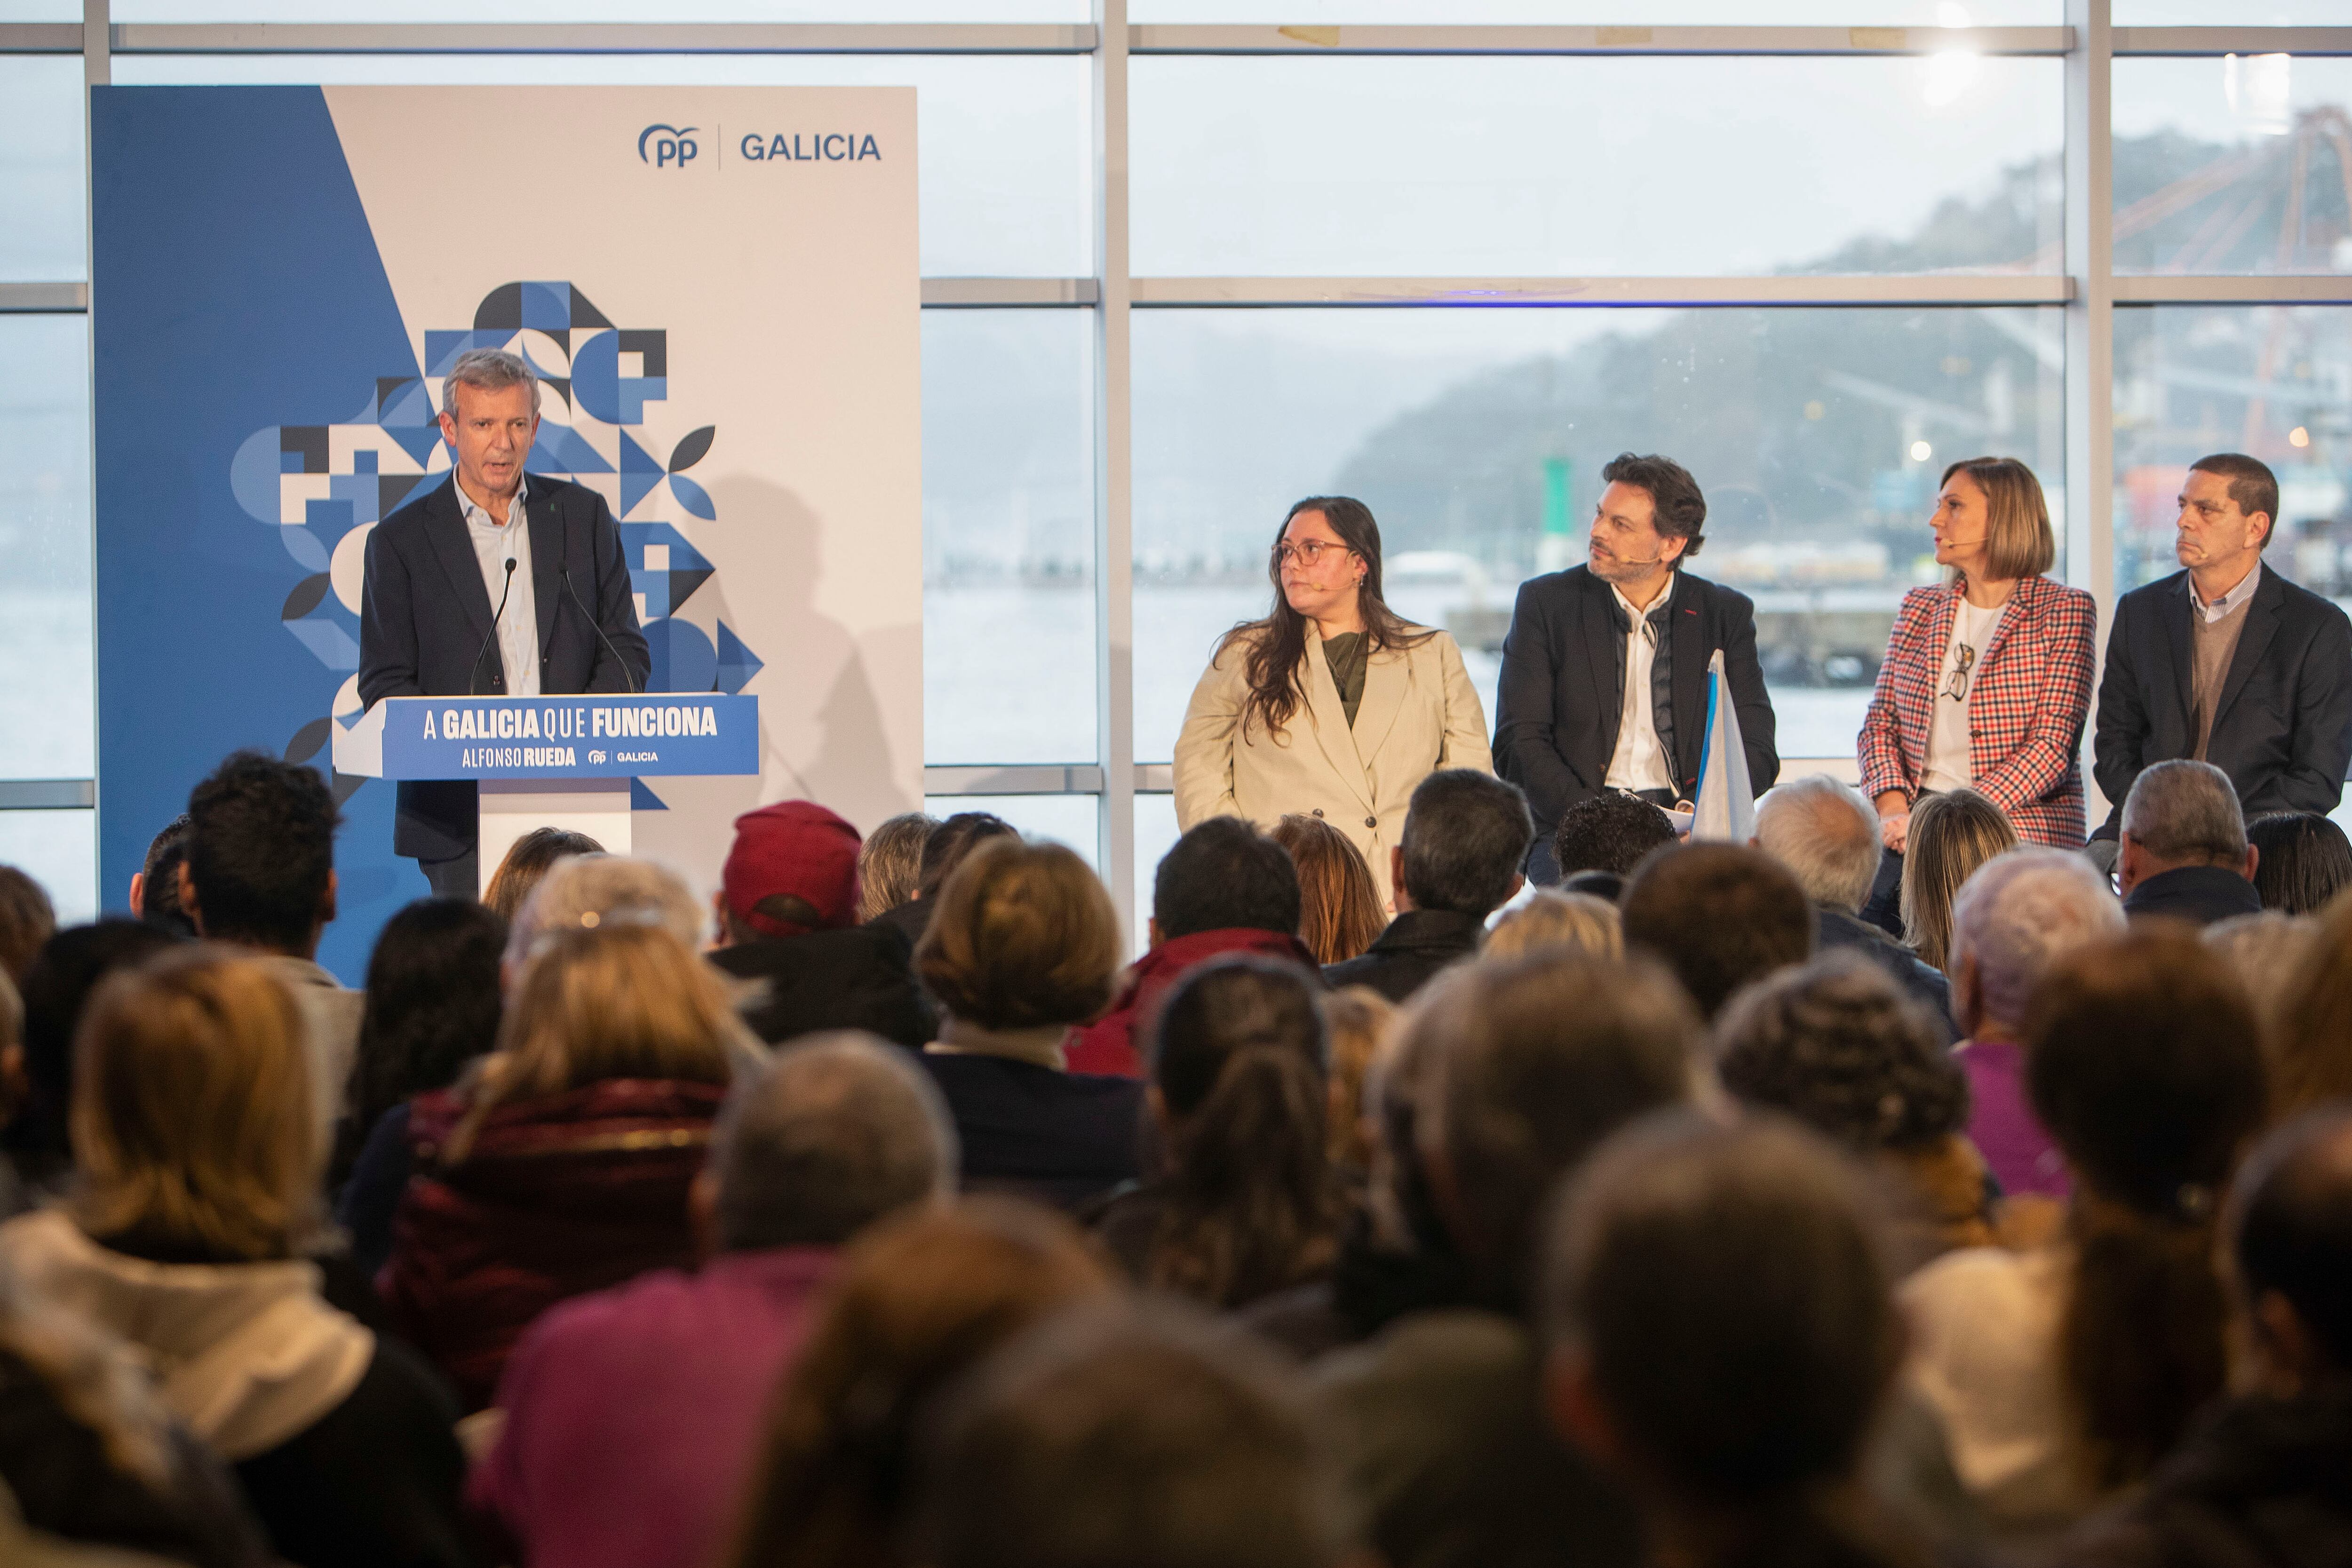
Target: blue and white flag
(1725,801)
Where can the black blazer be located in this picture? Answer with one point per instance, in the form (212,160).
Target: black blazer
(2283,728)
(1414,947)
(425,612)
(1563,693)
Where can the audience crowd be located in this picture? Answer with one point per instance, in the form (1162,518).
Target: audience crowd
(1722,1204)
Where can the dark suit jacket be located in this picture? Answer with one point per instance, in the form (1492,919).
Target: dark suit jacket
(1416,945)
(1058,1138)
(424,613)
(854,979)
(2283,729)
(2201,895)
(1562,691)
(1835,928)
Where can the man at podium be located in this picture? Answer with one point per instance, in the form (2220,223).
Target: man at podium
(499,583)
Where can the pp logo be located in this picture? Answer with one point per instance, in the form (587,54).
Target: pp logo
(595,757)
(667,146)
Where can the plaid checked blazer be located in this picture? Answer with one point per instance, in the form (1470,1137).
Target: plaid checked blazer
(2028,697)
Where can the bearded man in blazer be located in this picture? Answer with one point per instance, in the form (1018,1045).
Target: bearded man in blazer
(498,584)
(1604,669)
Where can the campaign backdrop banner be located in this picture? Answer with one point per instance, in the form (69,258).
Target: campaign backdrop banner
(719,289)
(555,738)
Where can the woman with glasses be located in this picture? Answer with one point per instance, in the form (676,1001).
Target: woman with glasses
(1332,706)
(1987,680)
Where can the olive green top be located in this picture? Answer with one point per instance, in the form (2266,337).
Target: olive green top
(1346,654)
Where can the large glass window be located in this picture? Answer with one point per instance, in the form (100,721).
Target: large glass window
(45,604)
(1069,819)
(599,10)
(1660,12)
(59,849)
(43,207)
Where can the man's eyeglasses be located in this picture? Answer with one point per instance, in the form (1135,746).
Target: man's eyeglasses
(1310,551)
(1956,689)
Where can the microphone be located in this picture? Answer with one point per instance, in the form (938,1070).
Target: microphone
(476,678)
(598,627)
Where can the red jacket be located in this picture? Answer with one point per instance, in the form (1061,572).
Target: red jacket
(1108,1045)
(558,1196)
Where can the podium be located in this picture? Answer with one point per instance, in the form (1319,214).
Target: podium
(551,761)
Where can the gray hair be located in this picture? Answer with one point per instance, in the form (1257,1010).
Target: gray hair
(839,1129)
(2186,811)
(487,370)
(2022,911)
(585,890)
(1826,834)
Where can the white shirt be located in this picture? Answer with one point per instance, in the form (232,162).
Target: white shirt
(2229,601)
(1949,764)
(1639,761)
(494,545)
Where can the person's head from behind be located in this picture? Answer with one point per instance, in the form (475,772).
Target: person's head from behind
(2265,951)
(2018,913)
(1239,1064)
(1137,1436)
(2181,814)
(583,891)
(793,870)
(1357,1020)
(55,992)
(2311,1019)
(1465,835)
(1718,916)
(156,886)
(948,842)
(834,1132)
(2144,1061)
(1826,834)
(890,862)
(2289,1238)
(193,1129)
(1223,875)
(1608,832)
(1024,937)
(1558,923)
(260,870)
(921,1297)
(1721,1334)
(2302,860)
(433,1002)
(2229,508)
(1538,1062)
(26,921)
(1950,835)
(526,863)
(1340,912)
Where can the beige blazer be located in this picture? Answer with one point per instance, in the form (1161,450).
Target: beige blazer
(1418,714)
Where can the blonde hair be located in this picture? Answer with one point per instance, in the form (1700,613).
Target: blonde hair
(579,886)
(1024,937)
(1339,910)
(2018,540)
(1356,1023)
(192,1119)
(1558,923)
(2311,1023)
(890,863)
(1950,835)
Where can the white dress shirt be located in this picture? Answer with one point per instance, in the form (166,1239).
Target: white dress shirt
(494,544)
(1639,761)
(2229,601)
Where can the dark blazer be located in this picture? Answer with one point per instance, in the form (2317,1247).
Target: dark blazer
(854,979)
(2201,895)
(1415,946)
(424,613)
(2283,729)
(1562,691)
(1058,1138)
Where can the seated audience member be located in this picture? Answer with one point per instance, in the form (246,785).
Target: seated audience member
(606,887)
(2062,1375)
(88,1455)
(2263,1478)
(2311,1020)
(1247,1204)
(527,863)
(55,993)
(1339,910)
(2265,951)
(891,861)
(1603,838)
(1838,1045)
(26,921)
(1465,834)
(1437,1419)
(559,1164)
(1826,833)
(787,908)
(1723,1343)
(433,1006)
(944,848)
(260,874)
(156,886)
(1718,916)
(1128,1436)
(1558,923)
(1949,835)
(2021,913)
(914,1305)
(1023,945)
(633,1414)
(199,1156)
(2184,852)
(1356,1021)
(2304,860)
(1223,888)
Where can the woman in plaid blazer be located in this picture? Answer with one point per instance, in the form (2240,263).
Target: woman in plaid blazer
(1987,680)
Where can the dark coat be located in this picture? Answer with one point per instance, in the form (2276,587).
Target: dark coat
(2202,895)
(424,614)
(1563,685)
(1415,946)
(1113,1044)
(855,979)
(1059,1138)
(1931,990)
(2283,728)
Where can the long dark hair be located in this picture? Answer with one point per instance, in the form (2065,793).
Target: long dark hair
(1240,1057)
(433,1005)
(1277,644)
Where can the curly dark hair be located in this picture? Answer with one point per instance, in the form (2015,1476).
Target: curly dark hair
(261,847)
(1838,1045)
(1678,506)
